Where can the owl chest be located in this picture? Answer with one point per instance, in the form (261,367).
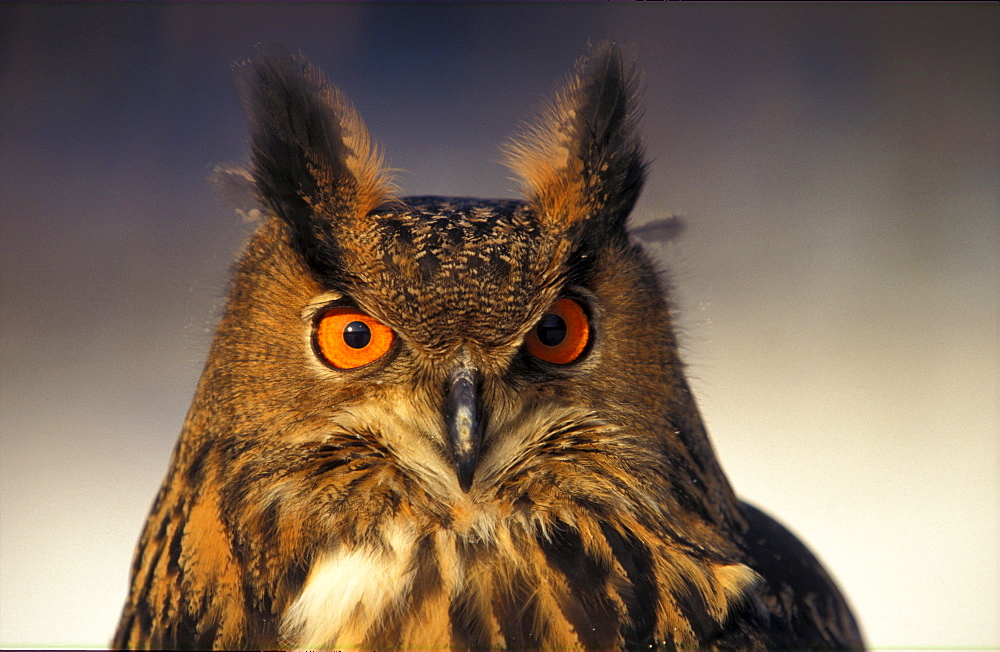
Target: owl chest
(442,590)
(390,594)
(345,594)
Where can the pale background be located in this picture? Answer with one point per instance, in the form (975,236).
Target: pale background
(837,281)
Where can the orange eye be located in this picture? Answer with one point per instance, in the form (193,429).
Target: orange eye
(347,338)
(562,333)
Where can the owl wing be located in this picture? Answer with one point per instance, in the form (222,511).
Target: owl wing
(805,607)
(187,585)
(156,583)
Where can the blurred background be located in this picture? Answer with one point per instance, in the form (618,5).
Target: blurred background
(836,285)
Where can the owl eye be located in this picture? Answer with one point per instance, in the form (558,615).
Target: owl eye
(561,335)
(346,338)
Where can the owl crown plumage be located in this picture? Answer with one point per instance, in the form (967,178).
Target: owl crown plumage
(446,422)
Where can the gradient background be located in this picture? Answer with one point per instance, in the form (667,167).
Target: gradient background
(837,284)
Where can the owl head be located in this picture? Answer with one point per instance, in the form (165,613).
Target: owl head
(445,422)
(475,349)
(479,345)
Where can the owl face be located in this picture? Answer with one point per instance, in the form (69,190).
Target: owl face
(457,334)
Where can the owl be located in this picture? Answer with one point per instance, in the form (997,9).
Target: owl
(437,422)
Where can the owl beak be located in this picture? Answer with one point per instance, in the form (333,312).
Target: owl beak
(464,420)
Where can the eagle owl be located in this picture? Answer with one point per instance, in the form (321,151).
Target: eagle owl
(431,422)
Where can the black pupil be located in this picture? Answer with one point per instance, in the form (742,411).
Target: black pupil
(551,330)
(357,335)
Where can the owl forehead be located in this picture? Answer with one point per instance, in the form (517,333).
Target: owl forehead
(458,237)
(461,268)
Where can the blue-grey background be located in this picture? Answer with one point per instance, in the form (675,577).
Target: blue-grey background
(837,283)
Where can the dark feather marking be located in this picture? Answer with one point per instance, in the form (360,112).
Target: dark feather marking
(174,551)
(147,583)
(471,626)
(125,628)
(517,610)
(640,601)
(196,470)
(589,607)
(145,618)
(186,633)
(268,525)
(468,624)
(334,463)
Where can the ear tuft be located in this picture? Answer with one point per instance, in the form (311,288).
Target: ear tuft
(312,159)
(582,158)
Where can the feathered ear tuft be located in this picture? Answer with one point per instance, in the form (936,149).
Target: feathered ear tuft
(312,159)
(582,158)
